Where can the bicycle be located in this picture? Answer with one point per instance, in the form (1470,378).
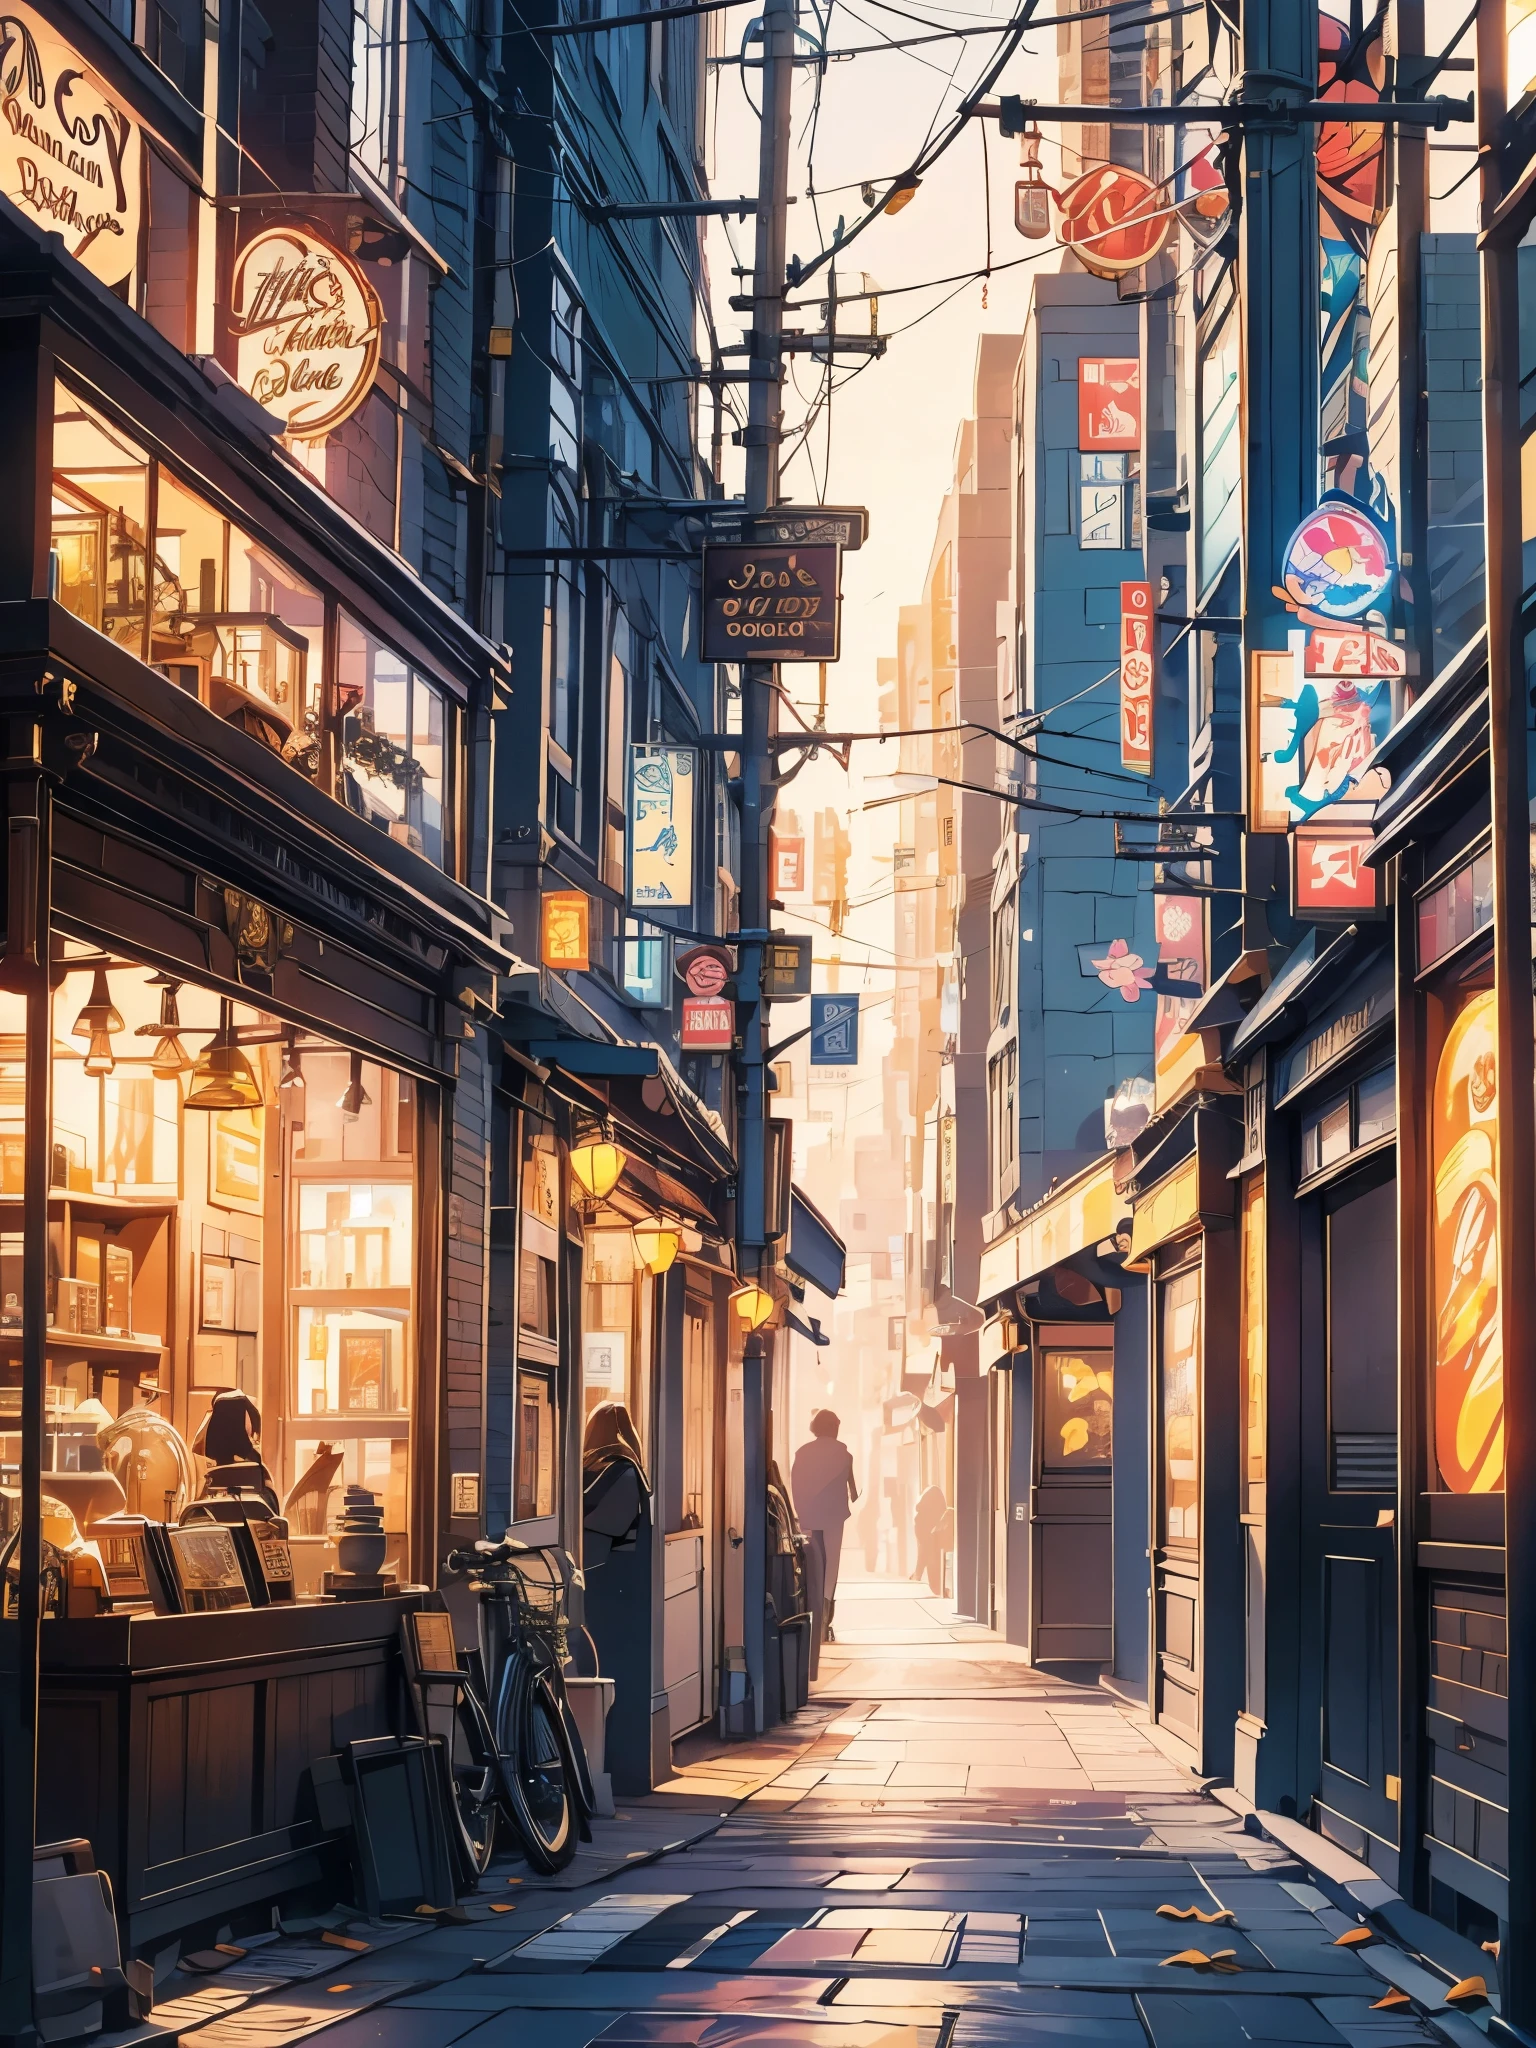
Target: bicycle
(512,1745)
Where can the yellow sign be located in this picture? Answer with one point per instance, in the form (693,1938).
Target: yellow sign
(306,325)
(1469,1336)
(661,788)
(69,154)
(1081,1214)
(1165,1210)
(565,929)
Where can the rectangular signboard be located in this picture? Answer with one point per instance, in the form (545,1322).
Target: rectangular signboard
(787,965)
(1137,623)
(662,781)
(771,603)
(1332,879)
(709,1024)
(565,928)
(1108,402)
(834,1031)
(786,865)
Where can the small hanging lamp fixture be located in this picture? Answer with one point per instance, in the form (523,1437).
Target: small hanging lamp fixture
(97,1020)
(354,1098)
(598,1164)
(753,1304)
(1031,195)
(658,1240)
(292,1073)
(169,1058)
(221,1074)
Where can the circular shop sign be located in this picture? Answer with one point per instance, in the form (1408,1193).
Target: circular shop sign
(704,972)
(1337,562)
(306,326)
(1113,220)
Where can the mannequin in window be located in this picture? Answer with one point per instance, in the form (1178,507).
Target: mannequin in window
(230,1435)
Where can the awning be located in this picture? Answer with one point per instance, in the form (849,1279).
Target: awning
(1081,1214)
(593,1056)
(1165,1210)
(815,1251)
(1365,1010)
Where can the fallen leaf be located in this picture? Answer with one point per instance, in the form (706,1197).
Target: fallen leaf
(430,1912)
(1224,1960)
(338,1987)
(1356,1937)
(344,1941)
(1225,1918)
(227,1948)
(514,1880)
(1394,2001)
(509,1907)
(1467,1992)
(1491,1948)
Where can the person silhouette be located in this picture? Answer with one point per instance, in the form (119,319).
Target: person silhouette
(822,1482)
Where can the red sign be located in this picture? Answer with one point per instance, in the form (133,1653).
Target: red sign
(1331,874)
(786,865)
(708,1025)
(1137,619)
(1337,651)
(1114,220)
(704,970)
(1108,402)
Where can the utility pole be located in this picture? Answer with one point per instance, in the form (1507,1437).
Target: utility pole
(759,725)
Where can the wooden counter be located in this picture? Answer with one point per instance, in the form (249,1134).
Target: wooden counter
(179,1746)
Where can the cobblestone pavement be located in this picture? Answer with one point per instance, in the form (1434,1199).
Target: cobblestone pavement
(944,1850)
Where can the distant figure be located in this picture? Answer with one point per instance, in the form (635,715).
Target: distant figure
(615,1490)
(929,1525)
(821,1479)
(618,1530)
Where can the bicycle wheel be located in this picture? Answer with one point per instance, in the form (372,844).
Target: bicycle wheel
(476,1780)
(535,1772)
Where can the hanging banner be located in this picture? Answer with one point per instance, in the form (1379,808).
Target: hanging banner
(786,865)
(834,1031)
(709,1024)
(1136,622)
(771,603)
(306,325)
(660,838)
(1108,403)
(70,155)
(565,926)
(1180,924)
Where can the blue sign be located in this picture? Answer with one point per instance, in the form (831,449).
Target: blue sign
(834,1031)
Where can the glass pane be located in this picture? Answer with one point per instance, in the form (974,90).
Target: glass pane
(533,1487)
(100,523)
(1079,1409)
(1179,1389)
(1376,1106)
(394,743)
(1255,1400)
(1469,1346)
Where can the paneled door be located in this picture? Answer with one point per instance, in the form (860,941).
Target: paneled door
(1071,1510)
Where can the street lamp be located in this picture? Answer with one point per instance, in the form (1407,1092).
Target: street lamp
(658,1240)
(597,1164)
(221,1074)
(753,1304)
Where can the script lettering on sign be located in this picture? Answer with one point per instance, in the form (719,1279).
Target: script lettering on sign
(771,603)
(306,326)
(69,154)
(1136,623)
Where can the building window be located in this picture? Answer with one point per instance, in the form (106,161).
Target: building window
(1362,1342)
(1005,922)
(1464,1262)
(1077,1431)
(1454,909)
(1109,501)
(1361,1116)
(1179,1409)
(533,1482)
(1221,453)
(1255,1347)
(396,756)
(1002,1091)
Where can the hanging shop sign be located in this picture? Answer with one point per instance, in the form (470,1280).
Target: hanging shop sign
(662,781)
(705,970)
(786,865)
(709,1024)
(565,929)
(834,1031)
(306,326)
(1351,651)
(1331,878)
(1181,958)
(1113,220)
(1310,737)
(1337,564)
(771,603)
(1108,404)
(70,155)
(1137,619)
(787,965)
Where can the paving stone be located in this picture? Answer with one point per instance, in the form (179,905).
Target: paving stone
(1175,2020)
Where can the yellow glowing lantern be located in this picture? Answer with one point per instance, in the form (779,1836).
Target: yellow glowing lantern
(658,1240)
(753,1304)
(597,1164)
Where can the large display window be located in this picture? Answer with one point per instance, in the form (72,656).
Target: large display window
(234,1210)
(1179,1403)
(1468,1381)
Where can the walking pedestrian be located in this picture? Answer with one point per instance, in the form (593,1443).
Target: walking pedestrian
(822,1482)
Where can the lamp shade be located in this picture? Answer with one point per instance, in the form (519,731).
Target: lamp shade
(221,1074)
(597,1164)
(658,1240)
(753,1304)
(100,1014)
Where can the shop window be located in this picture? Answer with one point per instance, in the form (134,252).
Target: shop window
(611,1355)
(696,1417)
(1179,1402)
(533,1486)
(99,540)
(536,1295)
(395,744)
(1362,1342)
(1078,1420)
(260,1240)
(1255,1347)
(1454,909)
(1464,1255)
(1363,1115)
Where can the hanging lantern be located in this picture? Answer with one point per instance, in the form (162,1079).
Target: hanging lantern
(354,1098)
(169,1057)
(221,1074)
(97,1020)
(597,1164)
(658,1240)
(292,1074)
(1031,195)
(753,1304)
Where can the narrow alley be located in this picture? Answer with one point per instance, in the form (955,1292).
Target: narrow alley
(944,1849)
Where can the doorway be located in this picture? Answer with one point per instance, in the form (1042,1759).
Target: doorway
(1071,1495)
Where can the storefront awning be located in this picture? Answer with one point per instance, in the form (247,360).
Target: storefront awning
(593,1056)
(816,1252)
(1165,1210)
(1077,1216)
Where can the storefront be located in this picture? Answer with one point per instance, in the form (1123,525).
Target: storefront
(243,1097)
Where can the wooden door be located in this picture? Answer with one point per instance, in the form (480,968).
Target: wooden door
(1177,1531)
(1071,1511)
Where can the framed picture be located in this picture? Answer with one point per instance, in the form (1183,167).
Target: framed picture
(218,1294)
(236,1164)
(367,1378)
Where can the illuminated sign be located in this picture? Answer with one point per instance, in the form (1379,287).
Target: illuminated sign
(1464,1255)
(305,323)
(1309,737)
(1108,403)
(1136,623)
(1331,877)
(1351,651)
(771,603)
(709,1024)
(1113,220)
(69,154)
(565,925)
(661,786)
(1337,564)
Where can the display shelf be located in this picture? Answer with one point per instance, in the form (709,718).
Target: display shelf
(361,1298)
(83,1345)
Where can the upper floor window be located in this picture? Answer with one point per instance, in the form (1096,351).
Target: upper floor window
(395,754)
